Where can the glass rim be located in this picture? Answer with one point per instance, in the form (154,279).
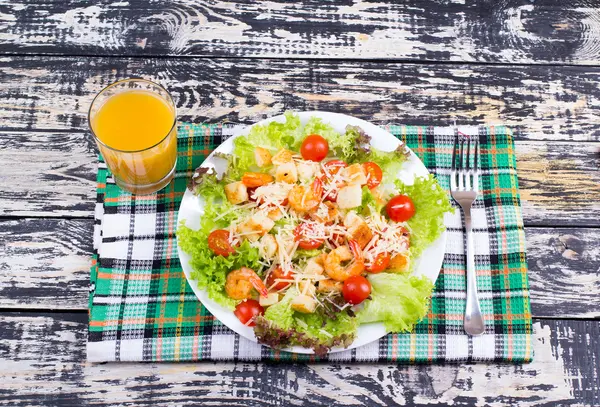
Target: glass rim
(131,80)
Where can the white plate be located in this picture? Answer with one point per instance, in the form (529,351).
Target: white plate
(191,209)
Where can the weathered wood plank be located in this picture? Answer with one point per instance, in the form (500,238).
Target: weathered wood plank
(45,265)
(564,265)
(474,31)
(52,93)
(43,359)
(52,174)
(47,174)
(559,182)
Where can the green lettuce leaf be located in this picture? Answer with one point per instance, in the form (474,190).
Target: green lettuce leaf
(398,300)
(370,203)
(431,202)
(361,151)
(281,314)
(272,136)
(208,269)
(281,327)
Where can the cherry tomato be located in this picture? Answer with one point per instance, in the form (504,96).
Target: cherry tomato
(218,242)
(374,174)
(303,243)
(382,260)
(247,310)
(400,208)
(314,148)
(356,289)
(277,274)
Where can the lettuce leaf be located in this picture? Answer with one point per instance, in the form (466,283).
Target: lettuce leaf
(204,182)
(398,300)
(390,162)
(431,202)
(209,270)
(281,327)
(370,203)
(272,136)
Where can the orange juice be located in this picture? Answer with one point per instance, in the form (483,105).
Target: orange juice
(136,133)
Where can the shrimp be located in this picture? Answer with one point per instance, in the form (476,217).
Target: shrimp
(335,258)
(256,179)
(303,199)
(239,284)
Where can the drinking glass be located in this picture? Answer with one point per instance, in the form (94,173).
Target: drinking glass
(133,122)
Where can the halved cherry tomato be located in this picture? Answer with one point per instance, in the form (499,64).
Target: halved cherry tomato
(314,148)
(279,274)
(382,260)
(374,174)
(356,289)
(400,208)
(247,311)
(303,243)
(218,242)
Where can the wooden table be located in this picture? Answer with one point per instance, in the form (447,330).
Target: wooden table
(528,65)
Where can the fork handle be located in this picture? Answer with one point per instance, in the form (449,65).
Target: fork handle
(474,324)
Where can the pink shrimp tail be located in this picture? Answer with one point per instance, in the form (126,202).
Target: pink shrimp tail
(355,249)
(259,285)
(317,188)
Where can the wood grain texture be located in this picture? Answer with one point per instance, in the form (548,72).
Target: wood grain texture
(517,31)
(559,182)
(45,265)
(54,93)
(43,359)
(45,174)
(564,272)
(52,174)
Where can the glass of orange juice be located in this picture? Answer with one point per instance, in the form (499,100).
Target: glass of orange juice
(134,124)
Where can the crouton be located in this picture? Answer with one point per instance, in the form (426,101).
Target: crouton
(236,192)
(262,156)
(304,303)
(358,229)
(283,156)
(270,299)
(286,173)
(329,285)
(349,196)
(354,174)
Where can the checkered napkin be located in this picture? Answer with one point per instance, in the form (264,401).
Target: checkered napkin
(142,308)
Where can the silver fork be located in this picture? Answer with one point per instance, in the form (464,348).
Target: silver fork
(464,191)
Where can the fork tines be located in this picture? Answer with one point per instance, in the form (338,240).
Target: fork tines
(464,175)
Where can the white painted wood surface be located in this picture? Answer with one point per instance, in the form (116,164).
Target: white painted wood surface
(377,61)
(520,31)
(45,265)
(47,367)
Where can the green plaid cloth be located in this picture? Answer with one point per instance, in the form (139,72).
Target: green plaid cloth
(142,308)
